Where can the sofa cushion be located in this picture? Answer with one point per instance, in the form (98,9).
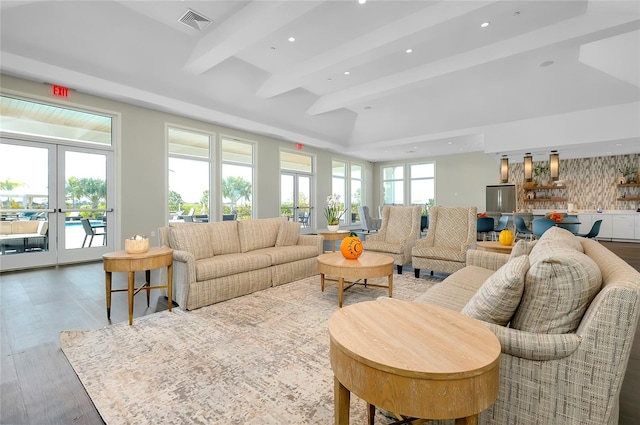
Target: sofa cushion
(260,233)
(288,254)
(563,235)
(559,286)
(205,240)
(440,253)
(499,296)
(457,289)
(229,264)
(288,233)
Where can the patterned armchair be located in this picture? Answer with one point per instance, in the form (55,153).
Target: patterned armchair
(452,230)
(367,222)
(398,234)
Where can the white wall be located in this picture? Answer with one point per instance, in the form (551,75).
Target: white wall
(461,179)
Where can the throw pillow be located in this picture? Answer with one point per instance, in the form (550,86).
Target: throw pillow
(558,288)
(559,234)
(288,233)
(499,296)
(522,247)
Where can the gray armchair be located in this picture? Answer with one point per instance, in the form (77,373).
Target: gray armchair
(367,222)
(398,234)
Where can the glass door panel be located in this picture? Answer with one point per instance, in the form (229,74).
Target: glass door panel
(84,227)
(27,222)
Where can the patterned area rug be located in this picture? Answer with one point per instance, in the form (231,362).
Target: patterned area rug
(258,359)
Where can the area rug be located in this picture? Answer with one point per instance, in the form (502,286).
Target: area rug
(258,359)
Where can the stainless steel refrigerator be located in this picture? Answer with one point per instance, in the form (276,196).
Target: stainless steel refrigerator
(501,199)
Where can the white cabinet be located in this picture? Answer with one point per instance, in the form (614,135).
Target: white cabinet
(585,223)
(623,226)
(606,228)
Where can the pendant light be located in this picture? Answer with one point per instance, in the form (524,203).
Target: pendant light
(528,167)
(554,165)
(504,169)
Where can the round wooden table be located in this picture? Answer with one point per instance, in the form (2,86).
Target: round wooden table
(368,265)
(121,261)
(413,359)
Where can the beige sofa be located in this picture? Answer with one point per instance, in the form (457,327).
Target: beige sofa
(218,261)
(565,310)
(20,235)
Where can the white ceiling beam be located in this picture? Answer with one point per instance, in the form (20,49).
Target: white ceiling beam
(251,24)
(607,15)
(303,73)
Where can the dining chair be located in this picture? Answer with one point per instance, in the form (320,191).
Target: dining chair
(593,233)
(522,229)
(484,226)
(91,231)
(541,225)
(503,224)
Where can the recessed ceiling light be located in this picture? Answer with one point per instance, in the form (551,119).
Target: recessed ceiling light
(409,50)
(546,63)
(272,48)
(347,73)
(367,107)
(484,24)
(362,1)
(292,39)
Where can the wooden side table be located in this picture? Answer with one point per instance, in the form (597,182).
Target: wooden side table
(493,246)
(121,261)
(414,359)
(334,236)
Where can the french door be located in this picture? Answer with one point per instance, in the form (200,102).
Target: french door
(296,199)
(56,204)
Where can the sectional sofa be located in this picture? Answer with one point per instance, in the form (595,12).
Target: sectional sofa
(565,310)
(23,234)
(218,261)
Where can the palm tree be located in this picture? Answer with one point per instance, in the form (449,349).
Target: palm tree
(204,201)
(175,200)
(235,188)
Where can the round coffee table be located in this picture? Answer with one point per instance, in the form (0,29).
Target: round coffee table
(368,265)
(413,359)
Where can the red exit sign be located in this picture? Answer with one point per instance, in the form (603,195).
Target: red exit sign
(60,91)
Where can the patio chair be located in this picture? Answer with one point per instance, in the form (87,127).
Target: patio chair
(452,230)
(398,234)
(91,231)
(367,222)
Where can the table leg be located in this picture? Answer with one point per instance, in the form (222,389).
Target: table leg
(470,420)
(391,285)
(170,285)
(322,282)
(147,276)
(371,414)
(341,401)
(130,293)
(340,291)
(107,280)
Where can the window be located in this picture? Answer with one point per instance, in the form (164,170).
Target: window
(237,178)
(356,191)
(422,183)
(393,185)
(28,118)
(189,173)
(347,179)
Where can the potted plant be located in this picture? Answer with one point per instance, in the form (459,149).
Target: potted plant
(627,175)
(334,211)
(538,172)
(424,220)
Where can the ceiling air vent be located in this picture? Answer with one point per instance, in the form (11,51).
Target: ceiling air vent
(194,20)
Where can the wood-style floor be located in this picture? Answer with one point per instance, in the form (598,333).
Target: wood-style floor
(38,386)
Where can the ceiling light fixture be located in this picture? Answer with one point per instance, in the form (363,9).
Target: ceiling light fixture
(528,167)
(362,1)
(292,39)
(546,63)
(504,169)
(347,73)
(409,50)
(554,165)
(485,24)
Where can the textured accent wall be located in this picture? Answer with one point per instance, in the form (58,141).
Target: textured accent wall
(591,183)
